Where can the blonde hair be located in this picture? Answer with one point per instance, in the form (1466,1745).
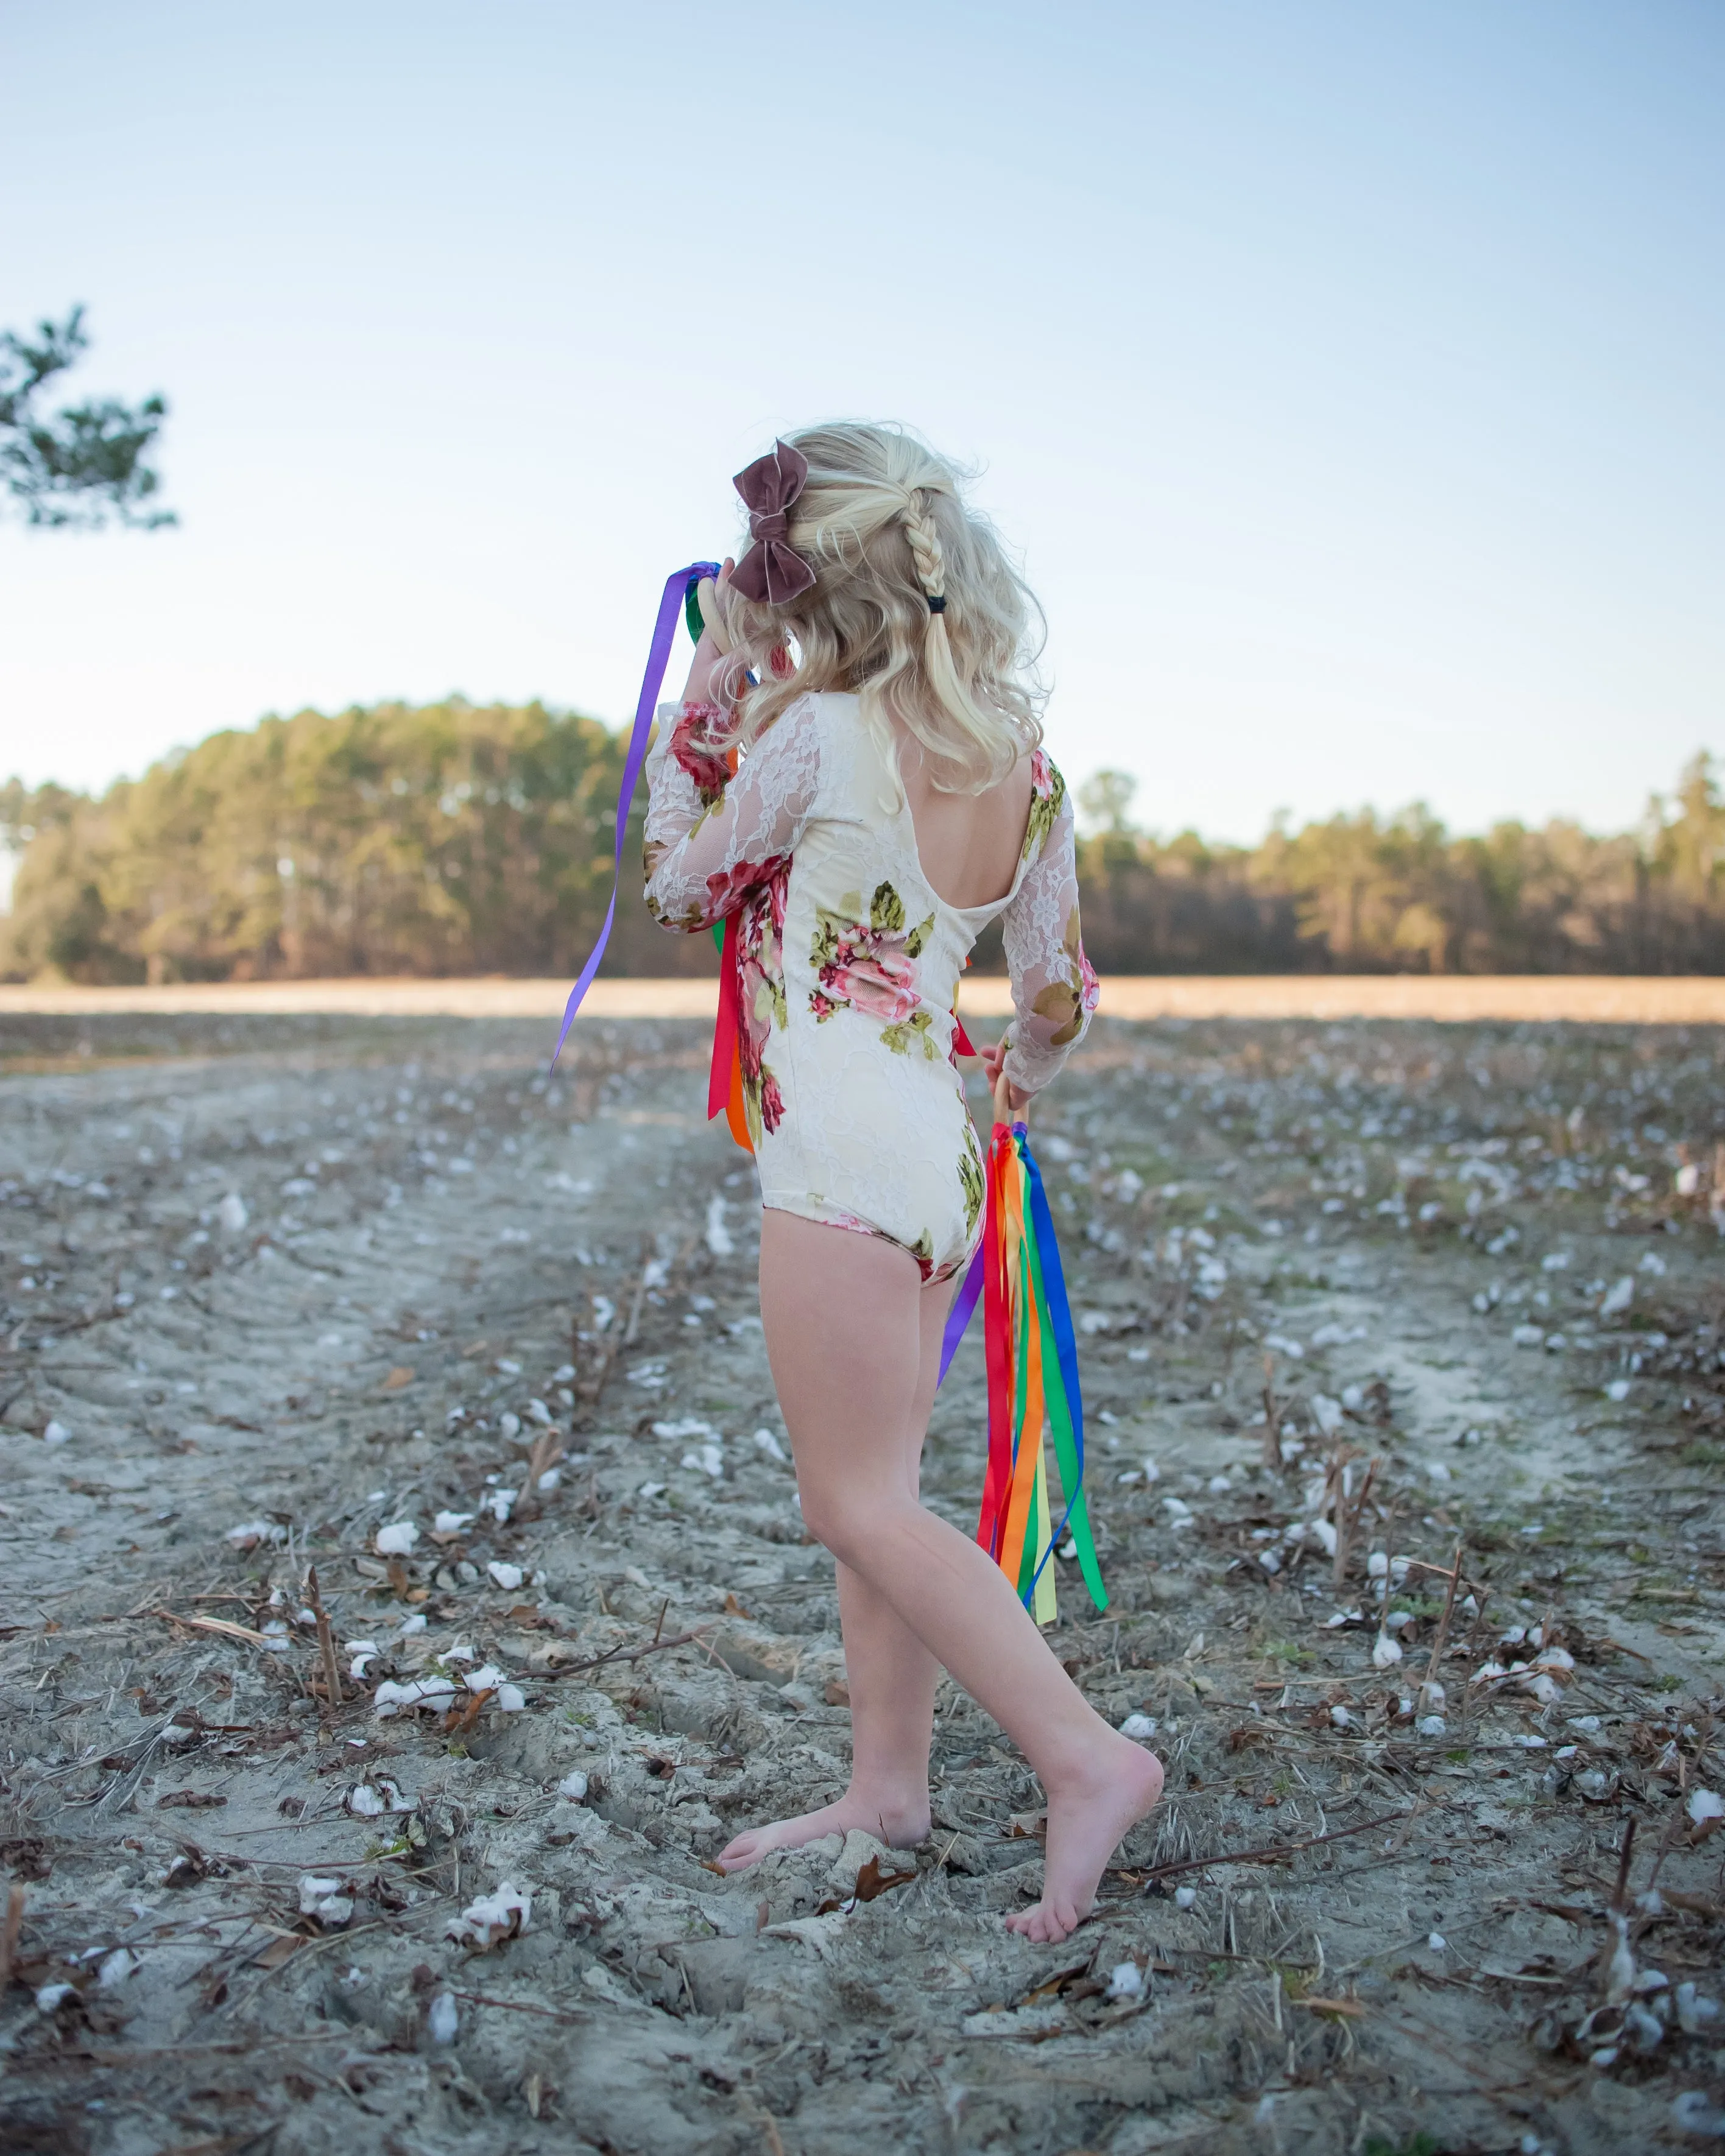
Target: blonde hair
(881,523)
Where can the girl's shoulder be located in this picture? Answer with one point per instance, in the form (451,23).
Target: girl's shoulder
(1047,800)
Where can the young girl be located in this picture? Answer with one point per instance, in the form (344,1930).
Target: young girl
(889,800)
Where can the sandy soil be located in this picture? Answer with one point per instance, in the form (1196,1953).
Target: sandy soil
(274,1285)
(1456,1000)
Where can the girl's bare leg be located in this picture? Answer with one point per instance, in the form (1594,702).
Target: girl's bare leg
(842,1333)
(890,1674)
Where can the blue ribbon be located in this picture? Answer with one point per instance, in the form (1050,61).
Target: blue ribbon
(677,586)
(1060,1313)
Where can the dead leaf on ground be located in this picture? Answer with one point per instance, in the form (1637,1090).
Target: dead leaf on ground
(398,1377)
(469,1713)
(836,1693)
(191,1800)
(872,1882)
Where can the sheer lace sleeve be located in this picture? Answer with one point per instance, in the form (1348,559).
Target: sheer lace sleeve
(1052,985)
(710,837)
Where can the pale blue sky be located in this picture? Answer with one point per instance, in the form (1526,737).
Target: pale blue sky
(1348,375)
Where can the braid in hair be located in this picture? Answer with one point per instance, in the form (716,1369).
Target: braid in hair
(926,551)
(930,560)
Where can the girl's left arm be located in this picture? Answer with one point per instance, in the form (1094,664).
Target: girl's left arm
(709,836)
(1054,989)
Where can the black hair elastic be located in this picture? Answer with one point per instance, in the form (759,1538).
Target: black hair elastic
(937,606)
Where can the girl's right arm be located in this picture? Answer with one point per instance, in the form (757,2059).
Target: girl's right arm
(711,837)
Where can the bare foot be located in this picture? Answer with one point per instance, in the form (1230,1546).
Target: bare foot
(1085,1824)
(898,1822)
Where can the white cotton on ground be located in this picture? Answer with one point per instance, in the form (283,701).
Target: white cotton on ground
(492,1918)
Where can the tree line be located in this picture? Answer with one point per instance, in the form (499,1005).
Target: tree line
(456,837)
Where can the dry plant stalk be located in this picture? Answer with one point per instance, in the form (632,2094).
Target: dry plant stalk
(1346,1512)
(1440,1638)
(1272,1419)
(9,1934)
(325,1640)
(547,1450)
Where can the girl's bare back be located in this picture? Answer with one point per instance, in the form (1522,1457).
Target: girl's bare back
(968,844)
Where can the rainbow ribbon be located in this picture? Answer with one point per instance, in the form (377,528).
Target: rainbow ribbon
(1032,1358)
(678,597)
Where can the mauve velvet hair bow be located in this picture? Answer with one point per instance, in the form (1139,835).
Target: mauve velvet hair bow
(772,571)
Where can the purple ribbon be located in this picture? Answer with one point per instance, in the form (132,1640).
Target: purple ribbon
(665,630)
(959,1316)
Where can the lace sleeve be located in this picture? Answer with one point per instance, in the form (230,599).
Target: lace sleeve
(1053,987)
(710,837)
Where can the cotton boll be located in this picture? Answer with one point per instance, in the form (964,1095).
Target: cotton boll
(1696,2011)
(253,1534)
(1341,1718)
(1140,1727)
(1126,1982)
(396,1540)
(573,1787)
(442,2019)
(500,1504)
(114,1968)
(49,1996)
(1385,1651)
(510,1424)
(231,1213)
(56,1433)
(486,1678)
(492,1917)
(719,1239)
(326,1900)
(452,1523)
(765,1442)
(539,1413)
(1185,1898)
(1705,1804)
(1431,1726)
(510,1699)
(509,1576)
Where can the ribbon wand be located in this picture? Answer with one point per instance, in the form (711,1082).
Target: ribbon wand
(1032,1358)
(677,586)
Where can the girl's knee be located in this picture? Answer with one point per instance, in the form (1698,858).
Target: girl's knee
(851,1524)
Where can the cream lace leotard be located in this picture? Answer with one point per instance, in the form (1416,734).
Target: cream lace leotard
(850,964)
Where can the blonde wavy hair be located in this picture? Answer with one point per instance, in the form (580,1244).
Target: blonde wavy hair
(881,521)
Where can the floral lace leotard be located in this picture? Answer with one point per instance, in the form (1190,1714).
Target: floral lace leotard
(850,963)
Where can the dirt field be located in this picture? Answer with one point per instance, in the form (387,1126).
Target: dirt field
(285,1295)
(1587,1000)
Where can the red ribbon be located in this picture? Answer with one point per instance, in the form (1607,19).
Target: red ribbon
(996,1488)
(724,1080)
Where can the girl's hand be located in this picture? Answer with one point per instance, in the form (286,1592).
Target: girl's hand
(699,687)
(992,1058)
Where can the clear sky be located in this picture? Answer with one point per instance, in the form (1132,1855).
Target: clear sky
(1348,376)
